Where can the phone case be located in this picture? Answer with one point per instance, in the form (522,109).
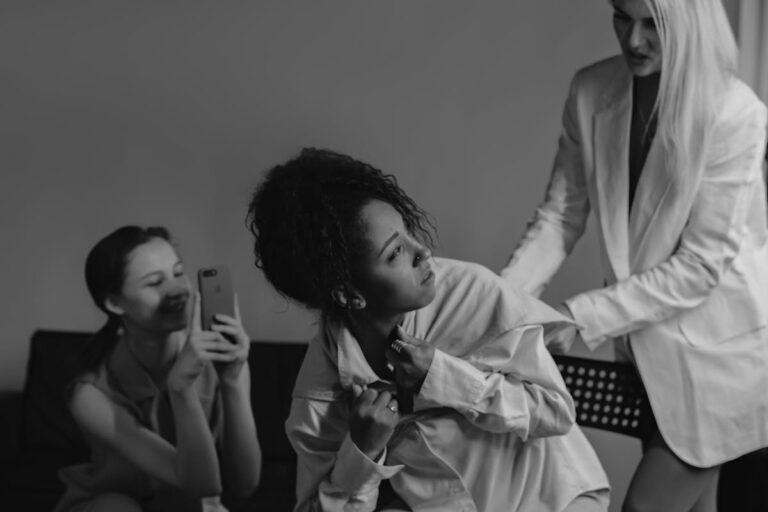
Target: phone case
(216,294)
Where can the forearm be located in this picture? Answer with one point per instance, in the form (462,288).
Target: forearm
(703,235)
(561,217)
(332,472)
(497,402)
(240,444)
(353,482)
(196,463)
(536,258)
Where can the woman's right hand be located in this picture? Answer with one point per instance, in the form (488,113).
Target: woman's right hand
(200,347)
(373,420)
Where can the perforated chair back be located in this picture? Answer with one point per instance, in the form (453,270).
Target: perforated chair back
(608,395)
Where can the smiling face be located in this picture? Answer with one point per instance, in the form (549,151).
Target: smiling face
(394,274)
(155,290)
(637,35)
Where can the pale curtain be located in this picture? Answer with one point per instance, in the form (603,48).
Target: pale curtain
(752,34)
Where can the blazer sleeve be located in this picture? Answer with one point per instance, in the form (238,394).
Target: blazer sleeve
(560,219)
(716,227)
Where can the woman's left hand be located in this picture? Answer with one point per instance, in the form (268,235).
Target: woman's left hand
(557,338)
(411,359)
(232,329)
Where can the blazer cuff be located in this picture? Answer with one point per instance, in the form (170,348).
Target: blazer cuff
(584,314)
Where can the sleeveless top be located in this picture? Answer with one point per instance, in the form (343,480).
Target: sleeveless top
(125,382)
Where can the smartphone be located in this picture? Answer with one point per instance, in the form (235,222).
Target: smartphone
(217,295)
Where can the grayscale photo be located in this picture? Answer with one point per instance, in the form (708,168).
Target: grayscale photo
(412,256)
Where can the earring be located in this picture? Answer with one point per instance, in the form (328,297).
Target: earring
(358,303)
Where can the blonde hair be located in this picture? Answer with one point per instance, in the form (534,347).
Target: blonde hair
(699,58)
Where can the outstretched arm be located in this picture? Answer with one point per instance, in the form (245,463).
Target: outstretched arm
(560,219)
(717,226)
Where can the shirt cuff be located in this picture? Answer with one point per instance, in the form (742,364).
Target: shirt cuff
(450,382)
(584,314)
(355,472)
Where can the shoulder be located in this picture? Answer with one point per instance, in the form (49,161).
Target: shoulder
(318,376)
(739,123)
(601,74)
(453,272)
(739,104)
(92,408)
(472,291)
(465,278)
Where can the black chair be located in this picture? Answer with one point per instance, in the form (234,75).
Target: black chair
(608,395)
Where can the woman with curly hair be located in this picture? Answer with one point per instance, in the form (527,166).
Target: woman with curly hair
(427,386)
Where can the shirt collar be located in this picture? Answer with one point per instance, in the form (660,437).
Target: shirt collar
(352,365)
(133,379)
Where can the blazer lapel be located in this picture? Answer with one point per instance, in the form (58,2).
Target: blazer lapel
(612,170)
(652,189)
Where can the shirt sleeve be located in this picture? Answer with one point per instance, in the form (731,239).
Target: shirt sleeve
(561,218)
(332,473)
(511,385)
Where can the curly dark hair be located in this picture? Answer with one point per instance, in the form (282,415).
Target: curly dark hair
(305,219)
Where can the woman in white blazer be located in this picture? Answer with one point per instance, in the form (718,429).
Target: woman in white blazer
(665,145)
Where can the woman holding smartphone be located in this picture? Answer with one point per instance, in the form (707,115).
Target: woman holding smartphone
(150,402)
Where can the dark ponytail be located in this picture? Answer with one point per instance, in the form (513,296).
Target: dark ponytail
(100,345)
(104,275)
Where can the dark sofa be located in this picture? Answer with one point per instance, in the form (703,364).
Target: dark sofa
(38,435)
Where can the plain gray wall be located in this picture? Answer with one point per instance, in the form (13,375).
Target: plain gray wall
(167,113)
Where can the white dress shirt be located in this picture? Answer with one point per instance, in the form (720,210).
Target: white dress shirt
(493,424)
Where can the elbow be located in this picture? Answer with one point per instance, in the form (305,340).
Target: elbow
(555,420)
(707,274)
(246,489)
(245,480)
(243,492)
(555,427)
(203,489)
(201,484)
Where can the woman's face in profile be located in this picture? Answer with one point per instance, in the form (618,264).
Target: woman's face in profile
(156,290)
(636,31)
(394,275)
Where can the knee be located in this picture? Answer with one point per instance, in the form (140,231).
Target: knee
(114,502)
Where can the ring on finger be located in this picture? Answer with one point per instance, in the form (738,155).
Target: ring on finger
(392,407)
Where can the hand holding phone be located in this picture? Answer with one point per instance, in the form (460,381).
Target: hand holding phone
(216,294)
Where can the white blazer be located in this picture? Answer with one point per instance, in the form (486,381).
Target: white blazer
(686,272)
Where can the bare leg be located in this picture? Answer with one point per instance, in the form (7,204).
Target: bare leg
(664,483)
(708,501)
